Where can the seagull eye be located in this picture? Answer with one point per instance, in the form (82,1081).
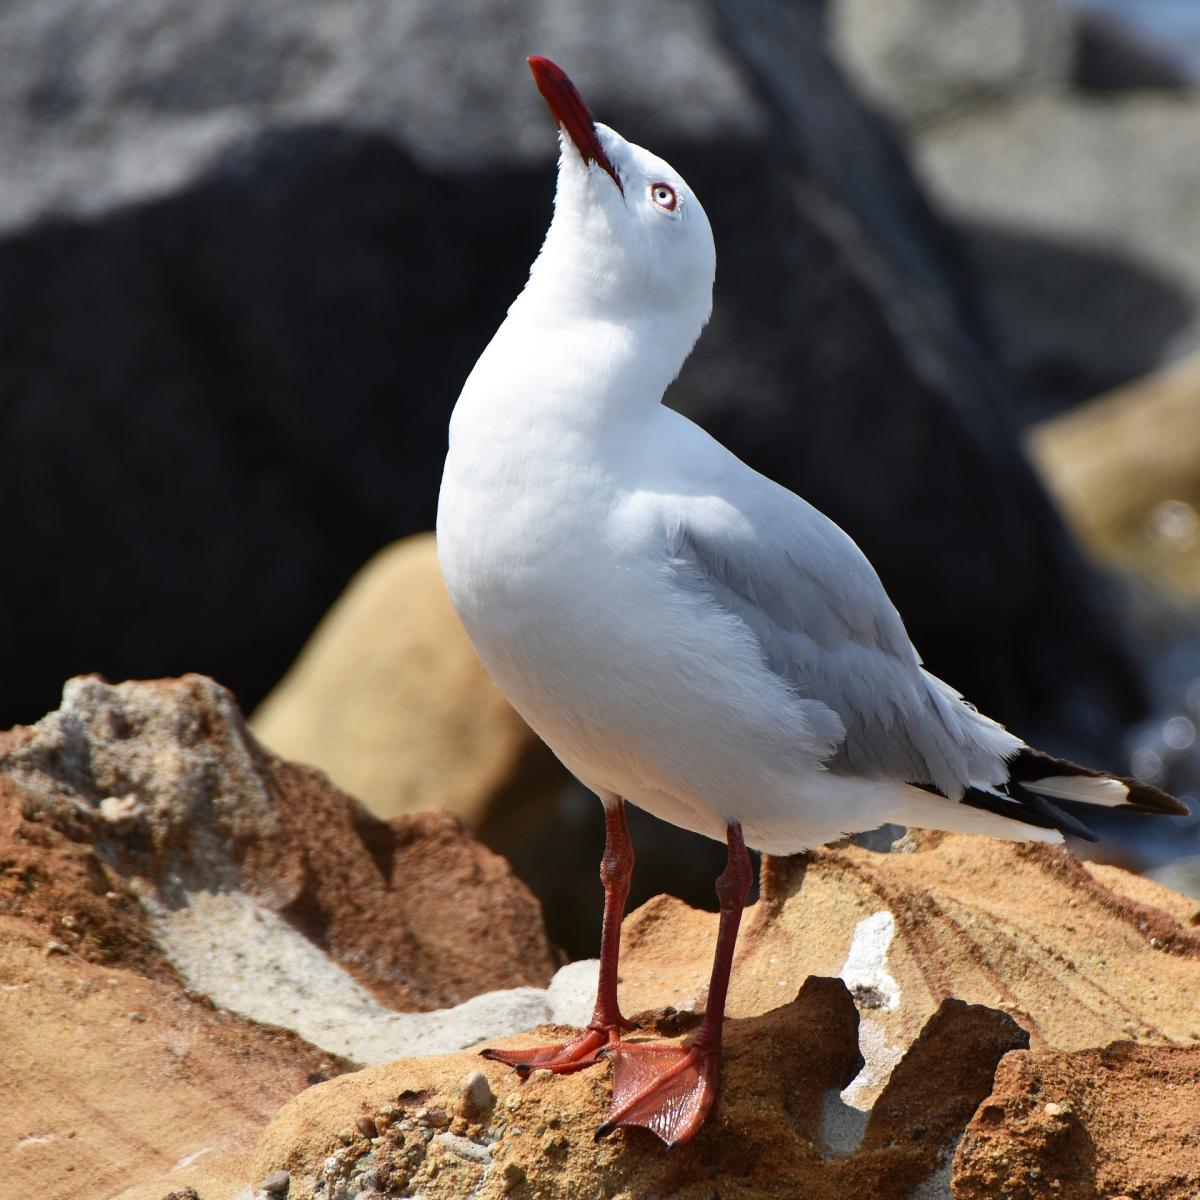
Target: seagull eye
(663,194)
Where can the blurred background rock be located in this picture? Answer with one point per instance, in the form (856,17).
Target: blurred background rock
(1064,147)
(249,251)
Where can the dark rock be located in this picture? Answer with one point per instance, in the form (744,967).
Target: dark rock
(1047,333)
(1111,56)
(216,403)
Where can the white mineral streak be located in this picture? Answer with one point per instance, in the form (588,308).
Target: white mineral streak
(251,961)
(865,973)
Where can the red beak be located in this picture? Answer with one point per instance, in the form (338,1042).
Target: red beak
(569,110)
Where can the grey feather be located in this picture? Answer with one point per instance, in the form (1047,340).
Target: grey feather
(826,626)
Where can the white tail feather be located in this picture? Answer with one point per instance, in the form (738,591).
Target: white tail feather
(1085,789)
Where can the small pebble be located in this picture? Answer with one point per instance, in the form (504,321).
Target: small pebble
(55,948)
(541,1073)
(366,1127)
(277,1184)
(439,1118)
(512,1101)
(475,1093)
(346,1137)
(1053,1110)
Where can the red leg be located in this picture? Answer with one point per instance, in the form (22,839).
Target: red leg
(670,1089)
(604,1029)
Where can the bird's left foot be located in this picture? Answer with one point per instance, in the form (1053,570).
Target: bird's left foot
(666,1089)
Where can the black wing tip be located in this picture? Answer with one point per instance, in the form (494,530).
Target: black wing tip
(1145,797)
(1028,809)
(1029,764)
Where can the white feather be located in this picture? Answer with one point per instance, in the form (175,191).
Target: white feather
(1086,789)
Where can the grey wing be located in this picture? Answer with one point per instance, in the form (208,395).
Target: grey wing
(826,626)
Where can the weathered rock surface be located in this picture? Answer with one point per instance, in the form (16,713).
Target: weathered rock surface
(1080,955)
(924,61)
(157,865)
(236,345)
(116,1084)
(163,786)
(1121,1121)
(1093,277)
(779,1129)
(159,868)
(390,700)
(950,956)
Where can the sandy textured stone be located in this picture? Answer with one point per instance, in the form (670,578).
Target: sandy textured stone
(1122,1121)
(390,700)
(159,869)
(226,846)
(119,1085)
(137,802)
(1079,957)
(778,1129)
(949,955)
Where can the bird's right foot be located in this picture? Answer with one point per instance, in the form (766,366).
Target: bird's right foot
(564,1057)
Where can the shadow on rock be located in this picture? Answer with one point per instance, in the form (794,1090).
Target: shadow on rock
(1073,320)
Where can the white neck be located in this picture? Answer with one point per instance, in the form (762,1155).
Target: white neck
(588,372)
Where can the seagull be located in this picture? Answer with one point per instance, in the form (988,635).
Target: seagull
(685,634)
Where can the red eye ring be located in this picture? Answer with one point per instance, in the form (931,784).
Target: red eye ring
(663,194)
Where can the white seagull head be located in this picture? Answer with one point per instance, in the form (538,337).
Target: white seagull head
(629,239)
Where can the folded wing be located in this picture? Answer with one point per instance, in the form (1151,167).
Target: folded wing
(826,626)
